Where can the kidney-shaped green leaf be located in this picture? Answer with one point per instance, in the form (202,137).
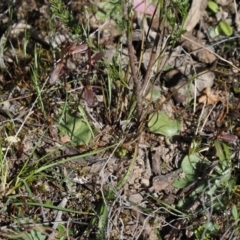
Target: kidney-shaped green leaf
(160,123)
(225,28)
(213,6)
(77,129)
(189,164)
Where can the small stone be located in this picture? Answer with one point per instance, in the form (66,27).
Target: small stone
(145,182)
(135,198)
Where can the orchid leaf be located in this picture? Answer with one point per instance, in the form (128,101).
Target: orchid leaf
(213,6)
(76,129)
(160,123)
(225,28)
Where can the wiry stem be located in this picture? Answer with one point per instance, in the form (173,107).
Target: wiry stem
(137,89)
(150,65)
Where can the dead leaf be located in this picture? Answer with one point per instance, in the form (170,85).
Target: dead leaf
(194,45)
(156,163)
(223,2)
(65,139)
(159,186)
(209,98)
(204,80)
(163,182)
(12,139)
(18,28)
(195,14)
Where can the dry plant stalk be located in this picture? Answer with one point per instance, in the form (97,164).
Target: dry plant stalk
(137,89)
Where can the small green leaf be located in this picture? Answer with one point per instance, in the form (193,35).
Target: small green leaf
(106,10)
(236,90)
(61,228)
(106,6)
(231,184)
(213,32)
(160,123)
(214,187)
(235,213)
(181,203)
(225,28)
(223,154)
(213,6)
(34,234)
(197,190)
(226,175)
(189,164)
(101,16)
(180,183)
(219,150)
(227,152)
(210,226)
